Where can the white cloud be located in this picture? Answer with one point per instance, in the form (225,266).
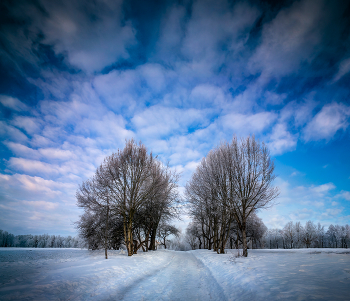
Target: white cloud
(13,103)
(159,121)
(322,189)
(72,32)
(22,150)
(289,39)
(211,26)
(332,118)
(32,166)
(207,94)
(41,205)
(301,214)
(344,195)
(344,68)
(281,140)
(298,113)
(331,213)
(302,203)
(274,98)
(243,124)
(29,124)
(55,153)
(25,197)
(12,133)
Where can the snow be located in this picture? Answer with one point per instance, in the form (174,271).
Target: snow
(75,274)
(303,274)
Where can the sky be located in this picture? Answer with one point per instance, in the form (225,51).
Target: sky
(78,78)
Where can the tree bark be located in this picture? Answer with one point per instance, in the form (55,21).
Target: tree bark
(106,231)
(129,237)
(244,237)
(153,239)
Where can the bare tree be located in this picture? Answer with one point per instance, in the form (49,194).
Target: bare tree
(256,229)
(251,174)
(231,182)
(289,233)
(320,235)
(165,230)
(207,192)
(310,234)
(93,196)
(299,232)
(192,235)
(131,184)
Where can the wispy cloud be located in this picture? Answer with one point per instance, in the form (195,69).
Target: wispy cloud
(326,123)
(80,78)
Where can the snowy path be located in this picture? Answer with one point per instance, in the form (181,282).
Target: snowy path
(46,274)
(73,274)
(183,278)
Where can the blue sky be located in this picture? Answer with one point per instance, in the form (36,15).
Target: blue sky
(77,78)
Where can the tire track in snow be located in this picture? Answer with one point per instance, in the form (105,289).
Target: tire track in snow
(121,293)
(184,278)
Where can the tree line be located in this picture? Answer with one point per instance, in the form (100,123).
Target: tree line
(295,235)
(39,241)
(291,236)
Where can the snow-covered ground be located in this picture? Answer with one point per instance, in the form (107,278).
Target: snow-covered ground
(74,274)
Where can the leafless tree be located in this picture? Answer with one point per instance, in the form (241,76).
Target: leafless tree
(207,192)
(289,233)
(128,184)
(251,175)
(256,230)
(320,233)
(164,231)
(310,234)
(93,196)
(192,235)
(231,182)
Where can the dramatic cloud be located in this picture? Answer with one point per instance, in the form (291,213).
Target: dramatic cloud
(79,78)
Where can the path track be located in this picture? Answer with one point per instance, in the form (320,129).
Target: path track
(183,278)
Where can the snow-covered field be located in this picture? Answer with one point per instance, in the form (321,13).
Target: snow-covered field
(74,274)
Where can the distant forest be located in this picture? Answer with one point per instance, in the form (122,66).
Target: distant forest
(39,241)
(292,236)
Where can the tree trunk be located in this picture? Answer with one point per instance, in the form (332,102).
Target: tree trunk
(153,239)
(209,243)
(215,242)
(129,242)
(222,248)
(135,246)
(244,237)
(147,241)
(106,232)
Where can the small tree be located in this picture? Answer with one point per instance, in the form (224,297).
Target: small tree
(165,230)
(191,235)
(289,234)
(310,234)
